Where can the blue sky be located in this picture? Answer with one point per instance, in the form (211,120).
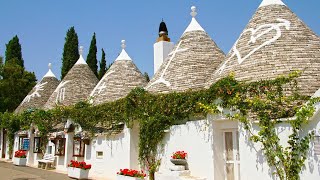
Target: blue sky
(42,24)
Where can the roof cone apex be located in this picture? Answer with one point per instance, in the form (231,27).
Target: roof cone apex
(194,25)
(271,2)
(81,59)
(49,73)
(123,55)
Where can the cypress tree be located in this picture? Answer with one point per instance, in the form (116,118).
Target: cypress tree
(103,65)
(70,51)
(13,51)
(92,55)
(1,68)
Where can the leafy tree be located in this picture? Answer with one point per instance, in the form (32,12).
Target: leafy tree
(13,50)
(15,85)
(92,55)
(146,76)
(70,51)
(103,65)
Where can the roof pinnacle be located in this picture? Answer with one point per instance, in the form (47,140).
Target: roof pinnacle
(81,50)
(194,25)
(49,73)
(123,44)
(123,55)
(194,11)
(81,60)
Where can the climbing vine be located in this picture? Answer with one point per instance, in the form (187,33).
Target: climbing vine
(268,102)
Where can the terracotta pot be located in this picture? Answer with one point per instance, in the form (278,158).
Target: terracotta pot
(182,162)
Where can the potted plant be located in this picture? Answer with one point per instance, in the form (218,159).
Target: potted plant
(130,174)
(179,158)
(78,170)
(20,158)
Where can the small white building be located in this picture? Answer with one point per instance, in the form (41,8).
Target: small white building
(29,140)
(112,150)
(74,87)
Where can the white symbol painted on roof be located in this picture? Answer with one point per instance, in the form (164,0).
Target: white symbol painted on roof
(61,90)
(36,93)
(254,36)
(172,54)
(102,84)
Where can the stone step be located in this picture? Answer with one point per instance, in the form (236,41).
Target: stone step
(176,175)
(191,178)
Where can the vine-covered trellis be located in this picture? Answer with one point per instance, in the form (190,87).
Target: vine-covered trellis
(268,102)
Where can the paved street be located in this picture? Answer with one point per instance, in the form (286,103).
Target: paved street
(10,172)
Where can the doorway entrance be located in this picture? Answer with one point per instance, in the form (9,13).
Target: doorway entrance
(231,154)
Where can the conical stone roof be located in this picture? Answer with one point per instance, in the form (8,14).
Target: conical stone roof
(274,43)
(40,93)
(191,63)
(76,85)
(119,80)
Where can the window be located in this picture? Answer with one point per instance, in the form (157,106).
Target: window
(49,150)
(99,154)
(37,145)
(60,146)
(23,143)
(78,147)
(317,145)
(231,155)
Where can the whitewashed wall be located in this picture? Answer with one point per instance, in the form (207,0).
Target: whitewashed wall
(253,162)
(195,138)
(119,152)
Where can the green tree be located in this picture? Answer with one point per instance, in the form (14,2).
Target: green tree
(15,85)
(1,67)
(92,55)
(13,51)
(103,65)
(70,51)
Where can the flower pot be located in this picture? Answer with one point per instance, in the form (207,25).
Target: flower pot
(20,161)
(121,177)
(78,173)
(181,162)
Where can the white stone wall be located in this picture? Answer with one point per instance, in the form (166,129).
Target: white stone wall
(195,138)
(119,152)
(253,162)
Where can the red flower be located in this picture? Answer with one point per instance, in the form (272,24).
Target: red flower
(132,173)
(179,155)
(81,165)
(20,154)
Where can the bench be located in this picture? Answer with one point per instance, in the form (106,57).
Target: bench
(46,162)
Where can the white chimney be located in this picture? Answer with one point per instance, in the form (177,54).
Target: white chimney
(162,47)
(161,51)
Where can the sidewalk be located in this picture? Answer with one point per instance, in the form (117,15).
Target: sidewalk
(8,171)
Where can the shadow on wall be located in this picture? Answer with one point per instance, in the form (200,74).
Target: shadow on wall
(284,130)
(190,137)
(313,159)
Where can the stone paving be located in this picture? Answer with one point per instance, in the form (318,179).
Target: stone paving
(8,171)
